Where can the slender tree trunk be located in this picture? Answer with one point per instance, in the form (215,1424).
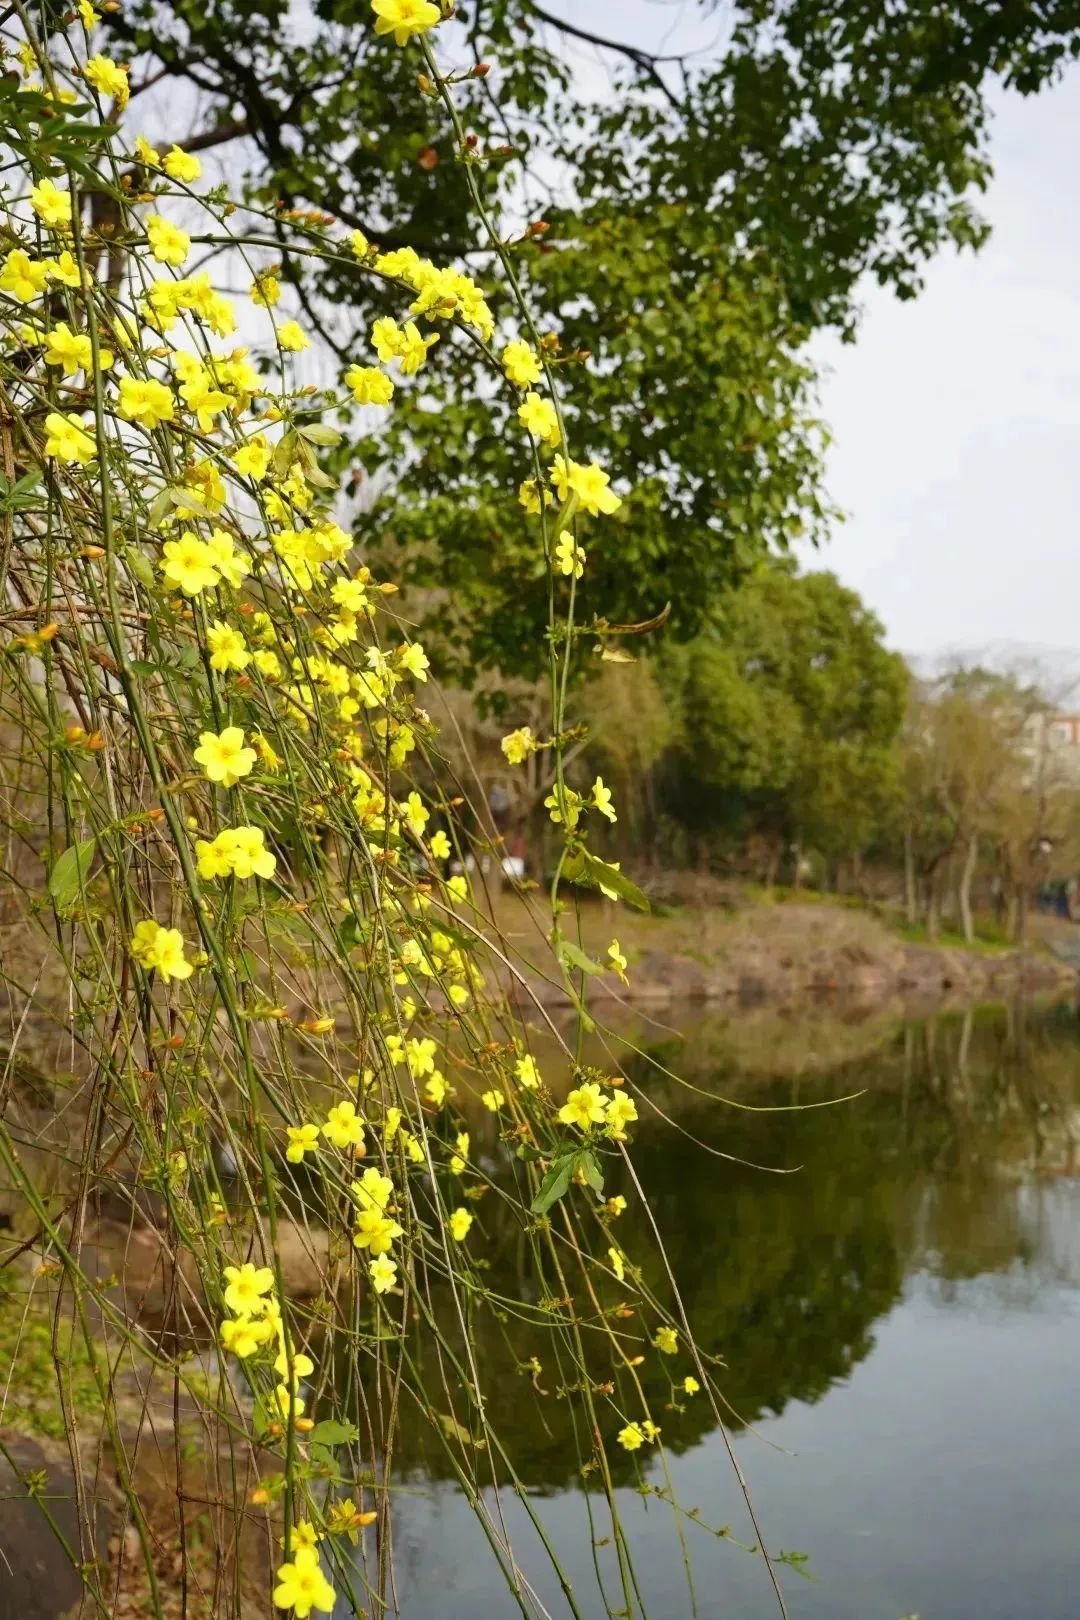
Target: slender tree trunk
(796,855)
(911,897)
(1021,914)
(933,907)
(971,856)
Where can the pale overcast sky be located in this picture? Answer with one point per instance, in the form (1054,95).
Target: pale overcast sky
(956,418)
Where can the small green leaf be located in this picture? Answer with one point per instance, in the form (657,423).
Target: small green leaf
(332,1432)
(70,871)
(554,1185)
(319,433)
(570,957)
(140,567)
(590,1169)
(585,870)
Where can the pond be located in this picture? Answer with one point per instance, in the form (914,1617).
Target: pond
(899,1322)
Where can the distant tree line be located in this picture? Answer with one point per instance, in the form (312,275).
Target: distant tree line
(787,744)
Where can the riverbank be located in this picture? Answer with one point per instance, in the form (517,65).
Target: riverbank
(752,950)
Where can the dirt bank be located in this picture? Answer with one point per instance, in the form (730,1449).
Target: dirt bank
(781,952)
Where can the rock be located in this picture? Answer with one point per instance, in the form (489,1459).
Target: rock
(37,1581)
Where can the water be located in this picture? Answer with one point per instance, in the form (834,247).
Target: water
(900,1323)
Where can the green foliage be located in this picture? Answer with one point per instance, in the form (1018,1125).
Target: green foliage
(707,214)
(790,712)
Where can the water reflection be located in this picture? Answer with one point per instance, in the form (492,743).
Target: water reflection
(946,1187)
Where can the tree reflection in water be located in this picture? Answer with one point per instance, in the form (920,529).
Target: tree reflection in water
(929,1170)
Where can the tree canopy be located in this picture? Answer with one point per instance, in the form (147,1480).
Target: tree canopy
(696,217)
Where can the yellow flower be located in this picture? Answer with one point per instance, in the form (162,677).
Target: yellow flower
(601,798)
(383,1274)
(416,814)
(666,1341)
(405,19)
(302,1586)
(51,205)
(188,564)
(584,1107)
(304,1533)
(181,165)
(621,1112)
(168,243)
(690,1385)
(291,336)
(145,401)
(493,1100)
(533,496)
(439,845)
(231,564)
(343,1127)
(617,960)
(569,556)
(224,757)
(521,365)
(302,1139)
(615,1206)
(360,244)
(413,350)
(109,79)
(250,857)
(64,269)
(414,660)
(302,1367)
(374,1190)
(146,153)
(237,852)
(375,1231)
(460,1221)
(518,745)
(228,649)
(631,1437)
(538,417)
(252,459)
(67,438)
(266,289)
(420,1056)
(22,276)
(528,1074)
(617,1265)
(245,1287)
(589,484)
(369,385)
(435,1088)
(244,1337)
(162,948)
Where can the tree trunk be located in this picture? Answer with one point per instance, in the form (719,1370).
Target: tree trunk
(1020,937)
(911,898)
(933,907)
(963,893)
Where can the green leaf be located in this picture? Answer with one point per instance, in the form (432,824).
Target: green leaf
(570,956)
(140,567)
(70,871)
(320,433)
(588,1165)
(332,1432)
(554,1185)
(584,869)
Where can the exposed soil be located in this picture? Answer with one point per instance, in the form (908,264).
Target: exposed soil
(786,951)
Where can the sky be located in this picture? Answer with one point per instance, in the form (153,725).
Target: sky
(956,418)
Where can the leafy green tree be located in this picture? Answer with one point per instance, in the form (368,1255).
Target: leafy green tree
(702,217)
(790,709)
